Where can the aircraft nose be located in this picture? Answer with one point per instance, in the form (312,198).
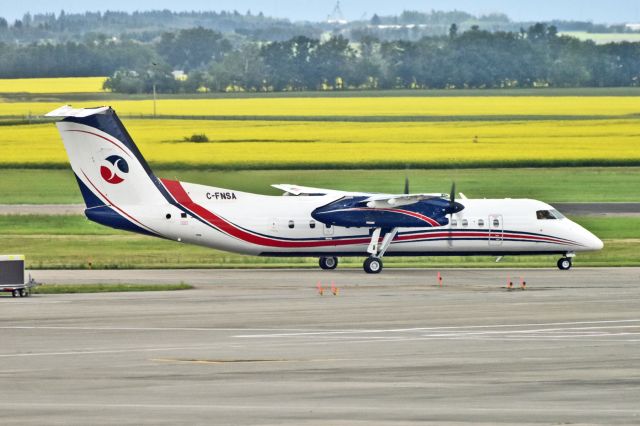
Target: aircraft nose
(593,242)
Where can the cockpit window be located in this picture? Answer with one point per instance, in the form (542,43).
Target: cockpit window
(549,214)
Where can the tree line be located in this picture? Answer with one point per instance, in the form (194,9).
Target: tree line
(475,58)
(146,26)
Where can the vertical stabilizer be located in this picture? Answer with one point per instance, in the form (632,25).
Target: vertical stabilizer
(114,178)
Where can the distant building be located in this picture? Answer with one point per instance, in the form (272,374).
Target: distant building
(179,75)
(633,27)
(336,17)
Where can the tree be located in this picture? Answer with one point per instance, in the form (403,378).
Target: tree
(193,48)
(243,68)
(453,30)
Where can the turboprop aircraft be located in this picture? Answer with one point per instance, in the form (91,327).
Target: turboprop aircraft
(121,191)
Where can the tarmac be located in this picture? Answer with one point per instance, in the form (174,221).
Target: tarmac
(264,347)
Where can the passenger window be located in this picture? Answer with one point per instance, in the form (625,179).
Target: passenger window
(454,222)
(312,224)
(480,223)
(183,215)
(465,222)
(291,224)
(496,223)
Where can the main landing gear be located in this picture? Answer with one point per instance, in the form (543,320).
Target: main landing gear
(328,263)
(373,264)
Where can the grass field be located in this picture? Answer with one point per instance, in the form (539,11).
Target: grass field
(479,106)
(106,98)
(106,288)
(52,85)
(339,140)
(40,225)
(74,242)
(18,186)
(300,145)
(603,38)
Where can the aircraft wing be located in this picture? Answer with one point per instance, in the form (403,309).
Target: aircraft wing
(306,190)
(392,201)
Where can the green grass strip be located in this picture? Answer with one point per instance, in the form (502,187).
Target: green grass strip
(106,288)
(542,91)
(382,165)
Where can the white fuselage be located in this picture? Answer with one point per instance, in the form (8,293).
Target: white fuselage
(282,226)
(120,191)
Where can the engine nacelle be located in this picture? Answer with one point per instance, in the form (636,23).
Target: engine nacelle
(355,212)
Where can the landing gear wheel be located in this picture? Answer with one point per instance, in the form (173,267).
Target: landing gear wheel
(23,292)
(328,263)
(564,264)
(15,293)
(372,265)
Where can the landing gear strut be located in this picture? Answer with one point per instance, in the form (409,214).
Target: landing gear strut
(373,264)
(328,263)
(564,263)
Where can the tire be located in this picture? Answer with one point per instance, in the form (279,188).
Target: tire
(23,292)
(328,263)
(564,264)
(14,293)
(372,265)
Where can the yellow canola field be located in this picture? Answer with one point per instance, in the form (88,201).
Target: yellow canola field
(51,85)
(349,107)
(273,144)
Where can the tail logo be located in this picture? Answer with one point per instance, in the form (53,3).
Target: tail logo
(113,169)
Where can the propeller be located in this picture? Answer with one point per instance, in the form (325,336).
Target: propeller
(452,198)
(451,210)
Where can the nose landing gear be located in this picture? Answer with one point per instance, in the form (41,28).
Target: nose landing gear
(564,263)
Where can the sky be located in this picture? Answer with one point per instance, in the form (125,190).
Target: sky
(610,11)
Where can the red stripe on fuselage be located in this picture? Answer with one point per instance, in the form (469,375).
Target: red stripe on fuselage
(182,197)
(480,234)
(417,215)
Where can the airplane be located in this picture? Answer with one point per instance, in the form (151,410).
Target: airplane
(121,191)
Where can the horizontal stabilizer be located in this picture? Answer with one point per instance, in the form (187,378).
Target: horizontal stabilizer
(304,190)
(69,111)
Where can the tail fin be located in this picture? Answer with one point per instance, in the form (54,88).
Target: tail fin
(112,174)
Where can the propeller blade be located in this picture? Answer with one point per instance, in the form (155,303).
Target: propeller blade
(452,206)
(406,185)
(452,194)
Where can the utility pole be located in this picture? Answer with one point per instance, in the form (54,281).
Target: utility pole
(154,76)
(154,98)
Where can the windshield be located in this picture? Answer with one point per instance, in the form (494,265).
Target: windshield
(549,214)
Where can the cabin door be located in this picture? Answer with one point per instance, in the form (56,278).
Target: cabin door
(327,230)
(496,230)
